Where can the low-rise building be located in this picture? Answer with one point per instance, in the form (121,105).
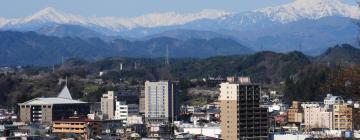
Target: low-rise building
(46,110)
(295,113)
(209,130)
(134,119)
(331,100)
(77,125)
(121,111)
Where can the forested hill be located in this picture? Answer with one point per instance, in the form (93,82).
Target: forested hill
(29,48)
(301,77)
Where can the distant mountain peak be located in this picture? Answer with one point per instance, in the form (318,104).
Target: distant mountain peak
(310,9)
(48,10)
(50,14)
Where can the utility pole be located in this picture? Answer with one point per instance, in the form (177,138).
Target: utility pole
(62,60)
(167,61)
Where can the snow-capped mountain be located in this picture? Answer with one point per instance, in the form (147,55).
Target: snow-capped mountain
(310,9)
(291,12)
(50,15)
(313,23)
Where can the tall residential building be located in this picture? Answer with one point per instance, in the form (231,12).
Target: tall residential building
(108,104)
(343,117)
(318,117)
(46,110)
(295,113)
(241,114)
(159,102)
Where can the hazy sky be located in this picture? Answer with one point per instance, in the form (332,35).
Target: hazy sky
(130,8)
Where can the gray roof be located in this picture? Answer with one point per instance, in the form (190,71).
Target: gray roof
(51,101)
(65,93)
(64,97)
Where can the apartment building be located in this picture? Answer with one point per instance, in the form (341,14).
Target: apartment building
(343,117)
(159,102)
(241,114)
(318,117)
(108,104)
(295,113)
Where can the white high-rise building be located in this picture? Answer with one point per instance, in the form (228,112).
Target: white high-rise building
(159,102)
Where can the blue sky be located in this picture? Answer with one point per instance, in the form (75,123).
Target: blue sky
(131,8)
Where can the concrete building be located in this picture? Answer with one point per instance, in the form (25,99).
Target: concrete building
(343,117)
(159,102)
(142,102)
(130,97)
(356,118)
(108,104)
(77,125)
(331,100)
(318,117)
(209,130)
(121,111)
(295,113)
(46,110)
(133,109)
(241,114)
(134,119)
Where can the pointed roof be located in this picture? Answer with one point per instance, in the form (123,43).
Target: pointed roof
(65,93)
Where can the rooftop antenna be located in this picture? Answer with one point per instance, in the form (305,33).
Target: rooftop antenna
(53,68)
(262,47)
(167,62)
(66,80)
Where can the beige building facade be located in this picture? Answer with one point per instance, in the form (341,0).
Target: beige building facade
(108,104)
(228,110)
(318,117)
(343,117)
(295,113)
(241,116)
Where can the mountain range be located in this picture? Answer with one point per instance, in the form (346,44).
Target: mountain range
(30,48)
(309,26)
